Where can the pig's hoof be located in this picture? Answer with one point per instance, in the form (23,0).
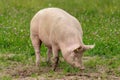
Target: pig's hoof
(49,63)
(54,69)
(37,65)
(82,68)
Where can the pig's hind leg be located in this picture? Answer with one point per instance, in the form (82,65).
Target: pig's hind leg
(36,42)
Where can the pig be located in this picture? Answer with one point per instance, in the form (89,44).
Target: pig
(59,31)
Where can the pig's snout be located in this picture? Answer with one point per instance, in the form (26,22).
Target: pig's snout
(78,65)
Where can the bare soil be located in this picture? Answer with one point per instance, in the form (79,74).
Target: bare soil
(30,72)
(19,71)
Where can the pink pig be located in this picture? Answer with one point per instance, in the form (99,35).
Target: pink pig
(59,31)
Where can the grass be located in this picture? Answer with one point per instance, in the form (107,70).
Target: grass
(100,23)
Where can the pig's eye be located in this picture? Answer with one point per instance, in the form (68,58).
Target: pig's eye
(80,47)
(76,51)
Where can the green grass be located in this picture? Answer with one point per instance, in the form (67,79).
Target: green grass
(100,20)
(6,78)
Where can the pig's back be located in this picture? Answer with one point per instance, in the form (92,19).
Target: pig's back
(50,20)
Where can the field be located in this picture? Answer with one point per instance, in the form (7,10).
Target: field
(100,20)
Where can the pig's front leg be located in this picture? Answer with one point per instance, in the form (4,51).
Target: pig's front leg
(55,57)
(49,53)
(82,66)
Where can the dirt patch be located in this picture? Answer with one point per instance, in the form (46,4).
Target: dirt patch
(30,72)
(93,76)
(23,71)
(19,71)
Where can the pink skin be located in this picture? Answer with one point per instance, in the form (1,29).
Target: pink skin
(74,59)
(59,31)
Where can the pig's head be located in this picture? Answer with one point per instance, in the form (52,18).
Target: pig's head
(74,57)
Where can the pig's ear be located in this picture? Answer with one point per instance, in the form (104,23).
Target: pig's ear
(87,47)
